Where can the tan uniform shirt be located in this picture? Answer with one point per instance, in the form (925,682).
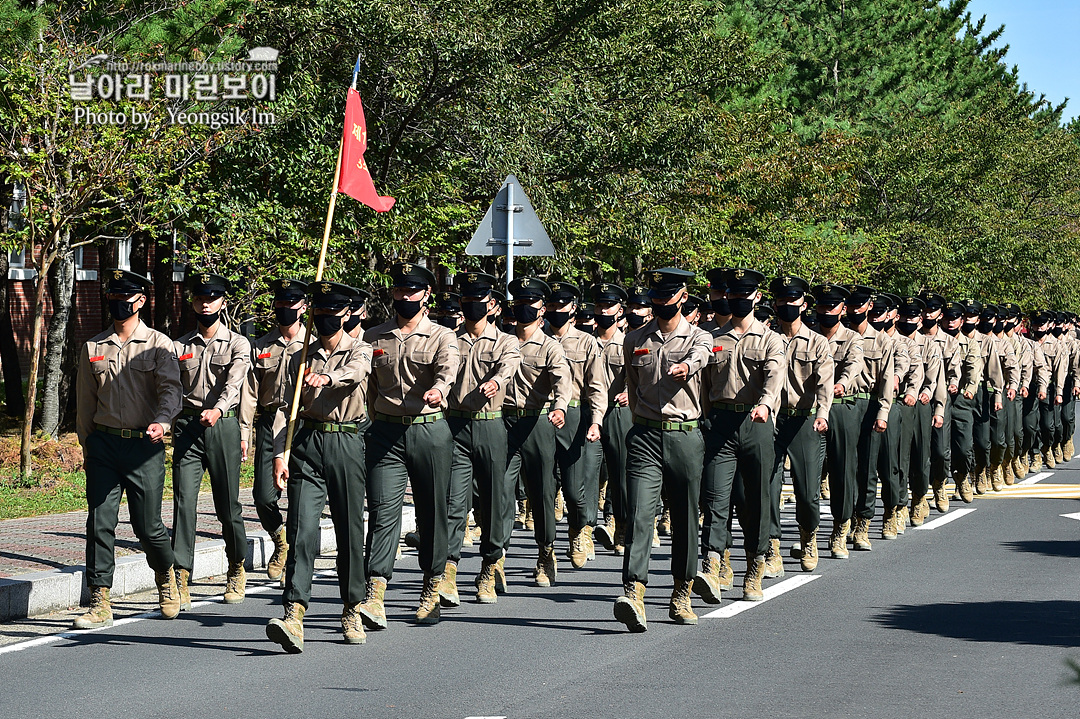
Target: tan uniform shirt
(747,368)
(404,367)
(543,377)
(586,369)
(1024,359)
(494,355)
(909,366)
(1002,371)
(648,356)
(934,381)
(971,363)
(877,375)
(846,347)
(809,380)
(1040,368)
(264,387)
(342,400)
(614,365)
(1057,360)
(213,370)
(129,385)
(951,358)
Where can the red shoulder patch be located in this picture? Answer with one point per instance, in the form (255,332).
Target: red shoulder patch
(189,355)
(378,352)
(97,359)
(642,351)
(264,355)
(718,348)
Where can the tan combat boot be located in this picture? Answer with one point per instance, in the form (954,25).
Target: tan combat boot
(448,593)
(619,541)
(964,487)
(606,533)
(982,486)
(941,497)
(860,538)
(168,594)
(352,626)
(289,631)
(500,575)
(630,607)
(655,532)
(707,582)
(679,609)
(888,524)
(808,542)
(519,518)
(920,510)
(1036,462)
(602,497)
(997,478)
(578,551)
(590,545)
(755,571)
(372,611)
(664,525)
(1019,468)
(1048,458)
(275,568)
(774,562)
(467,538)
(547,567)
(560,507)
(1069,451)
(838,539)
(1007,470)
(100,612)
(901,520)
(235,583)
(1059,456)
(485,584)
(530,523)
(183,578)
(825,487)
(428,612)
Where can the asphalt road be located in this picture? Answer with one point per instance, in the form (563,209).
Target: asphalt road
(975,617)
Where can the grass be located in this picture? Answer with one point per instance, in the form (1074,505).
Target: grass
(58,483)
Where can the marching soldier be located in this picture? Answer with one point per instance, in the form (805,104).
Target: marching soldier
(1012,463)
(718,301)
(663,362)
(907,375)
(638,306)
(1003,379)
(357,314)
(214,364)
(962,448)
(1070,391)
(489,361)
(1042,322)
(974,323)
(535,407)
(414,365)
(1037,388)
(446,310)
(325,463)
(129,393)
(264,391)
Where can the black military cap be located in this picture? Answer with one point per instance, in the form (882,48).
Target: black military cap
(989,312)
(359,299)
(637,295)
(787,287)
(499,295)
(932,300)
(1040,317)
(530,288)
(952,310)
(861,294)
(331,295)
(809,318)
(585,311)
(607,292)
(971,307)
(666,282)
(123,282)
(287,289)
(563,292)
(475,284)
(1011,310)
(446,301)
(691,304)
(911,306)
(207,284)
(884,302)
(830,295)
(405,274)
(742,280)
(717,278)
(1062,317)
(763,312)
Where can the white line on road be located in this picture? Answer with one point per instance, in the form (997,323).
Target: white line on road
(951,516)
(1074,515)
(738,607)
(1037,478)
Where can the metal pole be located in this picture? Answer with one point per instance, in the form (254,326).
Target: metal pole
(509,237)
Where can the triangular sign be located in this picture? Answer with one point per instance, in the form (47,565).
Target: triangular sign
(491,237)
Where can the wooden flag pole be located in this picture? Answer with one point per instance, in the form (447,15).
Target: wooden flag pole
(295,406)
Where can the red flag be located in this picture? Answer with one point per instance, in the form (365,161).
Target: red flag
(355,180)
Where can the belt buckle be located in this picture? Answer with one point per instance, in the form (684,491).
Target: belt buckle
(125,434)
(407,420)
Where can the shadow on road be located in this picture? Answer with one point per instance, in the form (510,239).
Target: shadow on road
(1043,623)
(1051,548)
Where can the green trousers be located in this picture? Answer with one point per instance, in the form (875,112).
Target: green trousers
(264,492)
(998,429)
(617,424)
(963,439)
(530,456)
(878,462)
(941,444)
(396,455)
(738,465)
(904,453)
(841,456)
(656,458)
(797,439)
(916,456)
(215,450)
(1030,412)
(1011,410)
(325,467)
(981,416)
(1049,420)
(480,462)
(115,465)
(1068,411)
(578,461)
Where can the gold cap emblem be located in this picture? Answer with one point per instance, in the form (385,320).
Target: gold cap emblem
(204,278)
(471,277)
(326,288)
(117,274)
(657,276)
(739,273)
(285,284)
(787,281)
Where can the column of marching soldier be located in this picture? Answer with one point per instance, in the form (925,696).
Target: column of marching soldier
(499,409)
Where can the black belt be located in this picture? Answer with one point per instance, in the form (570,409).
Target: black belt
(791,412)
(667,426)
(188,412)
(346,427)
(526,412)
(125,433)
(732,407)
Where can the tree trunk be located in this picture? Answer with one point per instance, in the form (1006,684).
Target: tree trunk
(61,285)
(70,365)
(9,349)
(163,286)
(41,286)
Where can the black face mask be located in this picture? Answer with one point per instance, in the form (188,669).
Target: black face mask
(1038,334)
(879,325)
(286,316)
(906,328)
(999,327)
(327,325)
(721,307)
(588,329)
(604,322)
(558,319)
(352,323)
(665,312)
(1056,331)
(207,320)
(827,321)
(448,321)
(854,319)
(526,314)
(948,331)
(741,306)
(985,327)
(474,311)
(121,309)
(407,309)
(634,321)
(788,313)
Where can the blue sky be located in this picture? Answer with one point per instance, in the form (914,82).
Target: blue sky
(1042,37)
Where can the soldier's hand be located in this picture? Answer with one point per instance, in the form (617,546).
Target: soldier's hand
(1011,394)
(953,389)
(680,371)
(622,399)
(557,418)
(281,473)
(209,417)
(1058,400)
(593,433)
(243,450)
(316,380)
(760,414)
(968,395)
(909,400)
(838,390)
(880,425)
(1042,396)
(821,426)
(937,422)
(997,406)
(1076,391)
(896,383)
(924,398)
(433,397)
(489,388)
(1024,392)
(155,432)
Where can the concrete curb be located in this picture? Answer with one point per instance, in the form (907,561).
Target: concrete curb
(27,595)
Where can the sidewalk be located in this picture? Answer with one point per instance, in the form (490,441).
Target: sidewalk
(41,558)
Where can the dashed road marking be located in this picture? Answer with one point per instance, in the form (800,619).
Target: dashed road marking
(1032,480)
(950,517)
(739,606)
